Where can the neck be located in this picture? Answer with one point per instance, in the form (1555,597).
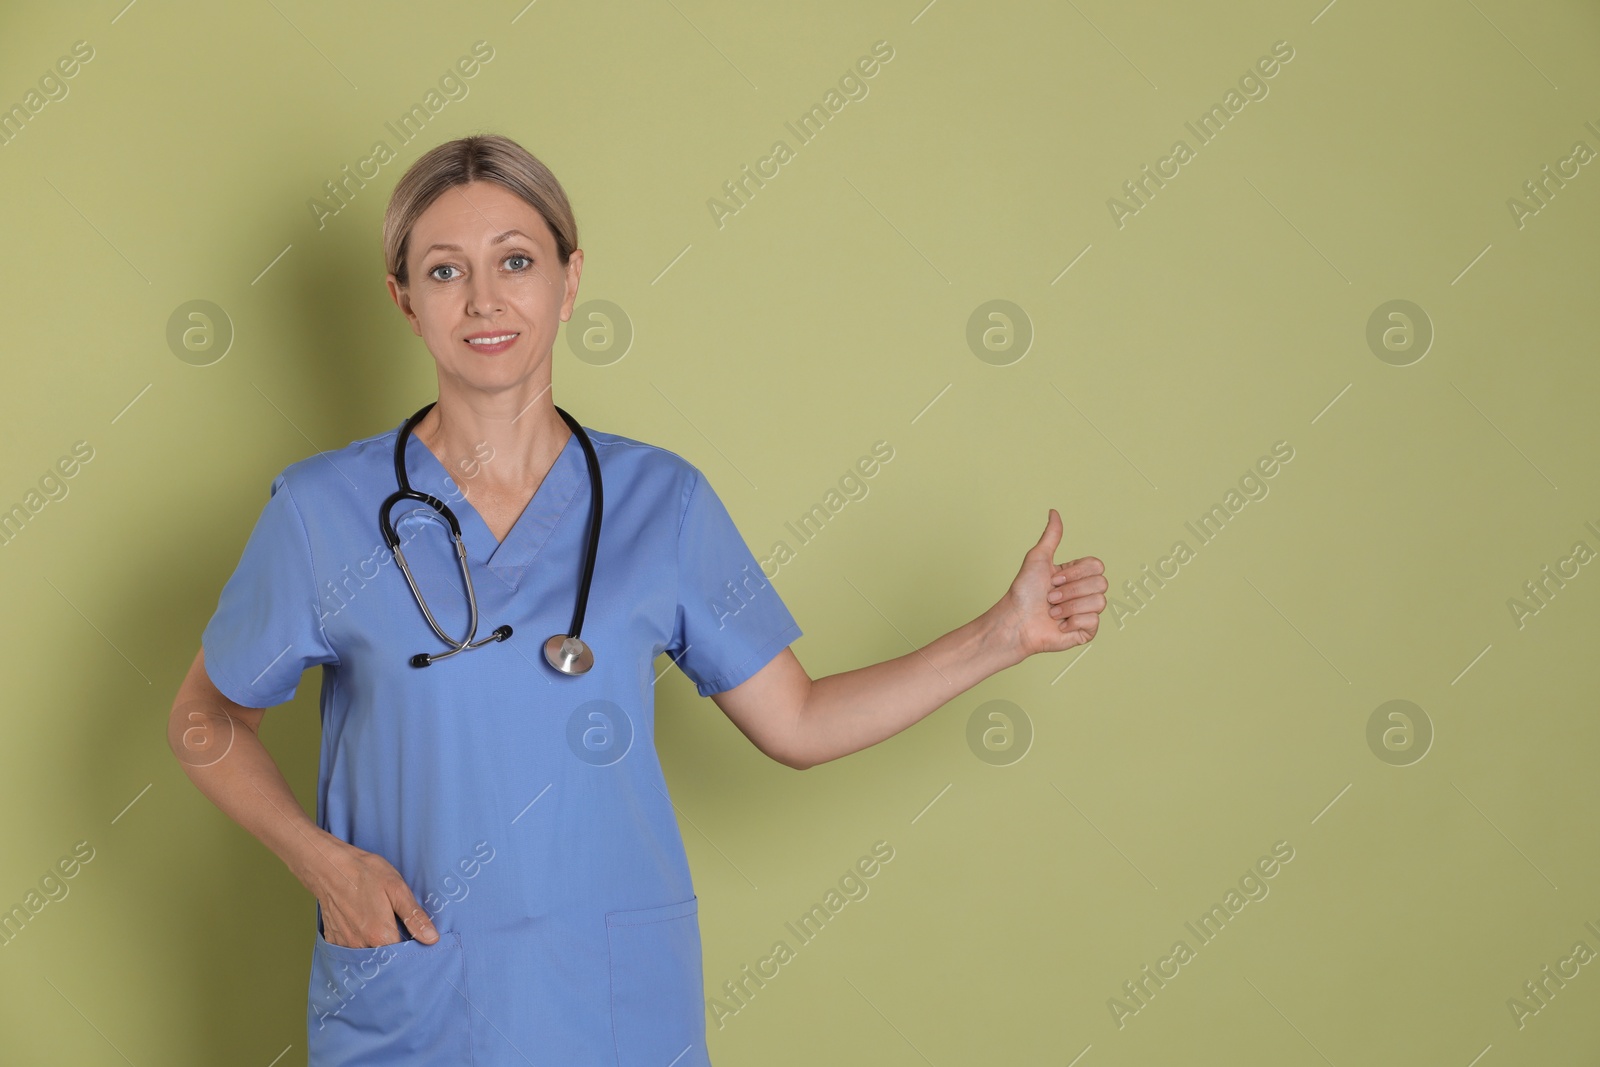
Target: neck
(503,441)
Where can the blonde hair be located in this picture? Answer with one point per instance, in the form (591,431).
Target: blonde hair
(480,157)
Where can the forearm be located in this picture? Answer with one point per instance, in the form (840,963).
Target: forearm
(846,712)
(246,784)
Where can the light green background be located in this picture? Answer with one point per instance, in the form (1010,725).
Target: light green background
(1230,313)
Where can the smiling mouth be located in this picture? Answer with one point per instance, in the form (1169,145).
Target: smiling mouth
(490,342)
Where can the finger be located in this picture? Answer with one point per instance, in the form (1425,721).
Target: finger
(1083,567)
(1075,614)
(332,932)
(1071,638)
(1083,588)
(1045,549)
(1088,625)
(411,914)
(339,929)
(1091,603)
(1077,569)
(353,936)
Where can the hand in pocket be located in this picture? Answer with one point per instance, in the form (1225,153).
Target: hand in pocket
(361,894)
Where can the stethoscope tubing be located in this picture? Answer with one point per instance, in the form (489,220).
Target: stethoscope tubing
(566,652)
(596,510)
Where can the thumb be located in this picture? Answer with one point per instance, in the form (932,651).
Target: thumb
(416,920)
(1046,548)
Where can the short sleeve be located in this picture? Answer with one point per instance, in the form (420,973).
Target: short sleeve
(730,620)
(267,628)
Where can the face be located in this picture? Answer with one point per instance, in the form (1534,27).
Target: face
(483,263)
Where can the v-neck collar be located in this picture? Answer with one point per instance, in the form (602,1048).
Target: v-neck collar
(508,560)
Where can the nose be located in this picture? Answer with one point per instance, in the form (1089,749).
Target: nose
(483,296)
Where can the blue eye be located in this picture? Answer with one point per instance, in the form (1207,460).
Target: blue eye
(434,273)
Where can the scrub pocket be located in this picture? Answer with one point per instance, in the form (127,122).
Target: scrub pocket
(393,1004)
(657,986)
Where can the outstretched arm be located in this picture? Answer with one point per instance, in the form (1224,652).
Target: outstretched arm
(801,722)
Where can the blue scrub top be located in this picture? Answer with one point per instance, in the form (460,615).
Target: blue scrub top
(526,809)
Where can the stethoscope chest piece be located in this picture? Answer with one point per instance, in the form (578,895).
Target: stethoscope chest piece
(569,655)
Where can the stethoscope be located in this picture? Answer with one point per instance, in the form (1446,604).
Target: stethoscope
(567,653)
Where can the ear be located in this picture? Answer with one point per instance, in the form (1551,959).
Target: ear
(573,271)
(401,295)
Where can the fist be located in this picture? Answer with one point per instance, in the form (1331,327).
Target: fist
(1051,606)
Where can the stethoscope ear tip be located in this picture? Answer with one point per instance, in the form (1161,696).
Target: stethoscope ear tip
(421,659)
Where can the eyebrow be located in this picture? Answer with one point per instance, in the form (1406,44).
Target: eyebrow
(498,240)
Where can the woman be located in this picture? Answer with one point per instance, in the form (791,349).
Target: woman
(498,871)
